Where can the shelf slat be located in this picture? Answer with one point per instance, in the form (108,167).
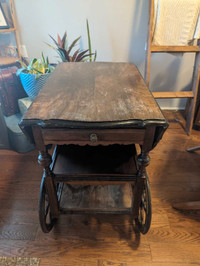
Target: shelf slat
(8,60)
(7,30)
(96,210)
(177,49)
(174,94)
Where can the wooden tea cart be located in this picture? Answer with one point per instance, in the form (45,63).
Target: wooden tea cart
(94,114)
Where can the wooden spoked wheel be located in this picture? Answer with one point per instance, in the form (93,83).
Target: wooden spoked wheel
(46,220)
(143,221)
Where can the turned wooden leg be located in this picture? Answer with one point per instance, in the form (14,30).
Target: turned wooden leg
(143,162)
(45,160)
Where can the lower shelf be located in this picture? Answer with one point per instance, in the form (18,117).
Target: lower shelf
(96,199)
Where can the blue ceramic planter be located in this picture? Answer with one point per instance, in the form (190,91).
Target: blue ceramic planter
(31,85)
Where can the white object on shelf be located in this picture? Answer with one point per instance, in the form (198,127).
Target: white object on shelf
(23,51)
(24,104)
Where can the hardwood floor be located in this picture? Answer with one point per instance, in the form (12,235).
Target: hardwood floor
(174,236)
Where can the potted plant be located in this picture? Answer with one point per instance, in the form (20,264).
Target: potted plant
(34,75)
(64,50)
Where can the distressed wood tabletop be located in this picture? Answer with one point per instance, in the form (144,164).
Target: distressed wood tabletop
(94,92)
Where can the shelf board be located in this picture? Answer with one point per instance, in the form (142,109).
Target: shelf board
(177,49)
(173,94)
(8,60)
(7,30)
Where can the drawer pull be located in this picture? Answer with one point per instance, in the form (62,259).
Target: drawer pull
(93,138)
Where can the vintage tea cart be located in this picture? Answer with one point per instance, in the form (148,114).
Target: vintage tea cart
(94,114)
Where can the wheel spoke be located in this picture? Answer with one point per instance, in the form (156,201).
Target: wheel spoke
(144,216)
(47,209)
(141,217)
(46,220)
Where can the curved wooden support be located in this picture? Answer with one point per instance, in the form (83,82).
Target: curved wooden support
(143,162)
(45,159)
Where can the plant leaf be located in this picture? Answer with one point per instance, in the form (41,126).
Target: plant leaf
(22,64)
(38,71)
(75,55)
(89,40)
(82,53)
(37,67)
(65,54)
(47,61)
(66,43)
(89,55)
(33,61)
(43,58)
(64,40)
(51,46)
(95,56)
(54,41)
(60,43)
(73,44)
(85,60)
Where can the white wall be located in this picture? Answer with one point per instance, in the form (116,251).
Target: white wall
(118,32)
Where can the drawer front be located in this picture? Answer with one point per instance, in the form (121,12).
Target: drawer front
(93,137)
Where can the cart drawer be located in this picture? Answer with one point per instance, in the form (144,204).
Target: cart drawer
(93,137)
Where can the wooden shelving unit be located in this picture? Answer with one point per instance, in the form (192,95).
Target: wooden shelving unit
(192,94)
(10,60)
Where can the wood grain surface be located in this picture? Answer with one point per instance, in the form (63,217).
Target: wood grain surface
(94,92)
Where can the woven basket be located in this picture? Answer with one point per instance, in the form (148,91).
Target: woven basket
(31,85)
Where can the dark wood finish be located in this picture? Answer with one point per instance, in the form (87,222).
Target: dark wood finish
(115,160)
(45,160)
(37,135)
(102,137)
(143,162)
(94,104)
(96,211)
(94,92)
(174,236)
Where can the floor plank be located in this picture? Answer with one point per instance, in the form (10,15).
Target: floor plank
(175,252)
